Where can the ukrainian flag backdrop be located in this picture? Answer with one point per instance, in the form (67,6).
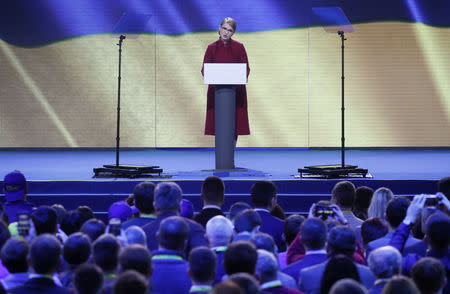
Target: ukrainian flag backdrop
(59,73)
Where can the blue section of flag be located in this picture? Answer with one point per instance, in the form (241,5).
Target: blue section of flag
(38,22)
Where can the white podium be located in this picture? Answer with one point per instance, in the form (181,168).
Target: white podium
(224,77)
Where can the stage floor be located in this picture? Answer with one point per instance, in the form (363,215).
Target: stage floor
(190,164)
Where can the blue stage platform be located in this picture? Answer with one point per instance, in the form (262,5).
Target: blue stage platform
(66,175)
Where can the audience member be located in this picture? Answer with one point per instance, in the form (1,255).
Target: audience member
(291,228)
(213,195)
(267,273)
(371,229)
(85,213)
(135,235)
(246,282)
(227,287)
(131,282)
(264,198)
(236,208)
(88,279)
(71,222)
(362,201)
(343,195)
(202,269)
(45,251)
(120,210)
(347,286)
(45,220)
(278,211)
(60,212)
(338,267)
(136,257)
(167,198)
(219,231)
(400,285)
(247,220)
(4,236)
(15,189)
(379,202)
(395,213)
(143,200)
(384,262)
(341,240)
(187,209)
(105,254)
(239,257)
(93,228)
(444,186)
(313,233)
(76,251)
(429,275)
(168,260)
(14,257)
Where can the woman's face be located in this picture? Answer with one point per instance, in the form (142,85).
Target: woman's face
(225,32)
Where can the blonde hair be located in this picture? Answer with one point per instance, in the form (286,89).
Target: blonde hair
(229,21)
(379,202)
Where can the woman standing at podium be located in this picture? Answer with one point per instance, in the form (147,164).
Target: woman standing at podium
(227,50)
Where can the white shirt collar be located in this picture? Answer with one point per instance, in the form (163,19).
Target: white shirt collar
(261,209)
(212,206)
(320,251)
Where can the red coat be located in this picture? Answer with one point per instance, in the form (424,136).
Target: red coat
(218,52)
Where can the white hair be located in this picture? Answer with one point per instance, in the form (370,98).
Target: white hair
(385,262)
(135,235)
(219,231)
(266,266)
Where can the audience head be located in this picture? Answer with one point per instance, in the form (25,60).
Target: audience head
(106,252)
(438,231)
(278,211)
(264,241)
(45,251)
(136,257)
(378,204)
(14,186)
(444,186)
(264,194)
(219,231)
(246,282)
(227,287)
(135,235)
(236,208)
(93,228)
(45,220)
(343,195)
(88,279)
(130,282)
(429,275)
(143,197)
(60,212)
(213,191)
(292,226)
(173,233)
(338,267)
(4,233)
(425,213)
(372,229)
(120,210)
(347,286)
(77,249)
(400,285)
(247,221)
(240,256)
(341,240)
(385,262)
(396,210)
(186,209)
(362,201)
(167,197)
(314,234)
(14,255)
(266,266)
(202,265)
(85,213)
(71,222)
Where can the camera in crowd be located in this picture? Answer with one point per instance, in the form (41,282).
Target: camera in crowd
(23,224)
(433,200)
(324,212)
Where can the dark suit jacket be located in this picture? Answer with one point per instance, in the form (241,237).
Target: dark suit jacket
(273,226)
(196,233)
(39,285)
(309,260)
(310,277)
(206,214)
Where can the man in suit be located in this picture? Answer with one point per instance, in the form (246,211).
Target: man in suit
(384,262)
(167,198)
(264,198)
(202,269)
(395,213)
(45,251)
(213,194)
(313,233)
(341,240)
(170,269)
(143,200)
(343,195)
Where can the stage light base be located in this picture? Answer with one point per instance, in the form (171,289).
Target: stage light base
(127,171)
(333,171)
